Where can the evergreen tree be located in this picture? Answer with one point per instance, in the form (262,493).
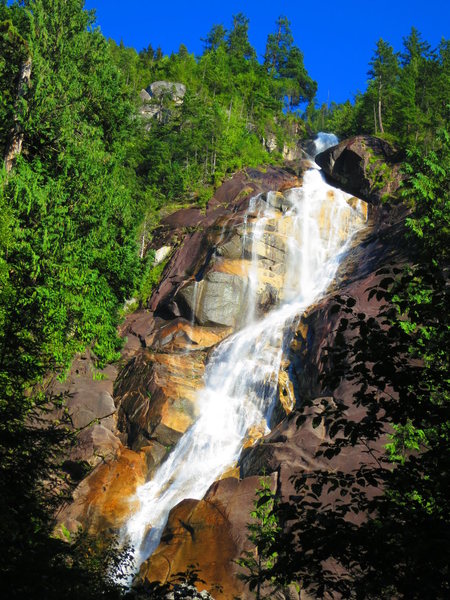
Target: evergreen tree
(299,85)
(238,43)
(263,534)
(278,46)
(68,260)
(384,72)
(215,38)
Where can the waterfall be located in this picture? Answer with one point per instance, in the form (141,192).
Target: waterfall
(323,141)
(315,224)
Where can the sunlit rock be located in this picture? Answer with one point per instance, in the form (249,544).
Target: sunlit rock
(157,395)
(218,299)
(161,254)
(209,533)
(104,500)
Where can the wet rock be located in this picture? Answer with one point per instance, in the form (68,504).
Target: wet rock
(365,166)
(196,234)
(180,335)
(232,249)
(278,201)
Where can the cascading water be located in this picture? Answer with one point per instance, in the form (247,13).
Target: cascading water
(324,141)
(241,378)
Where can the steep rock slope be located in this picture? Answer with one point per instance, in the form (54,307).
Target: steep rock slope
(291,449)
(163,363)
(164,357)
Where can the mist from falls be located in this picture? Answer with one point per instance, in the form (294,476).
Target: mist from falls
(241,377)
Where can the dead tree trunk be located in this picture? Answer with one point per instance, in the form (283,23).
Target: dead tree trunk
(379,107)
(14,147)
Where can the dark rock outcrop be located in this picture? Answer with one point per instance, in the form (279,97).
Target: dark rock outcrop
(366,166)
(90,410)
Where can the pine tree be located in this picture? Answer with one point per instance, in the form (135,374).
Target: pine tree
(278,46)
(238,43)
(384,72)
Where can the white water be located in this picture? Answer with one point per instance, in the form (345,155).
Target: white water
(324,141)
(241,377)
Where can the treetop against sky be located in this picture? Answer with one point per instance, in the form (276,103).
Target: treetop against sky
(337,38)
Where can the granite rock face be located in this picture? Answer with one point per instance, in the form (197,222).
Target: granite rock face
(132,414)
(293,447)
(211,533)
(198,303)
(158,89)
(157,95)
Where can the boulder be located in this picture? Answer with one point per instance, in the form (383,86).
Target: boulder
(95,445)
(216,300)
(210,533)
(366,166)
(161,254)
(159,89)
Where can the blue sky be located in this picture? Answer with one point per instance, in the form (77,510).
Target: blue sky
(337,37)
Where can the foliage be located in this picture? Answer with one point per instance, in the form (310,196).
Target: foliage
(382,531)
(68,260)
(263,532)
(151,278)
(232,106)
(406,96)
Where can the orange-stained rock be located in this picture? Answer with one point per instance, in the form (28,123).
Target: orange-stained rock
(233,267)
(233,471)
(255,433)
(359,205)
(180,334)
(286,391)
(157,395)
(294,182)
(105,499)
(210,533)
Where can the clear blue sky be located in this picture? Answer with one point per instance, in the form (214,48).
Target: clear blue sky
(337,37)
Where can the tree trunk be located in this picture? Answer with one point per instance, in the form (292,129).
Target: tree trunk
(379,107)
(375,119)
(141,253)
(14,148)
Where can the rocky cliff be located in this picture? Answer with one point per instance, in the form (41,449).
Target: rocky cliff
(199,302)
